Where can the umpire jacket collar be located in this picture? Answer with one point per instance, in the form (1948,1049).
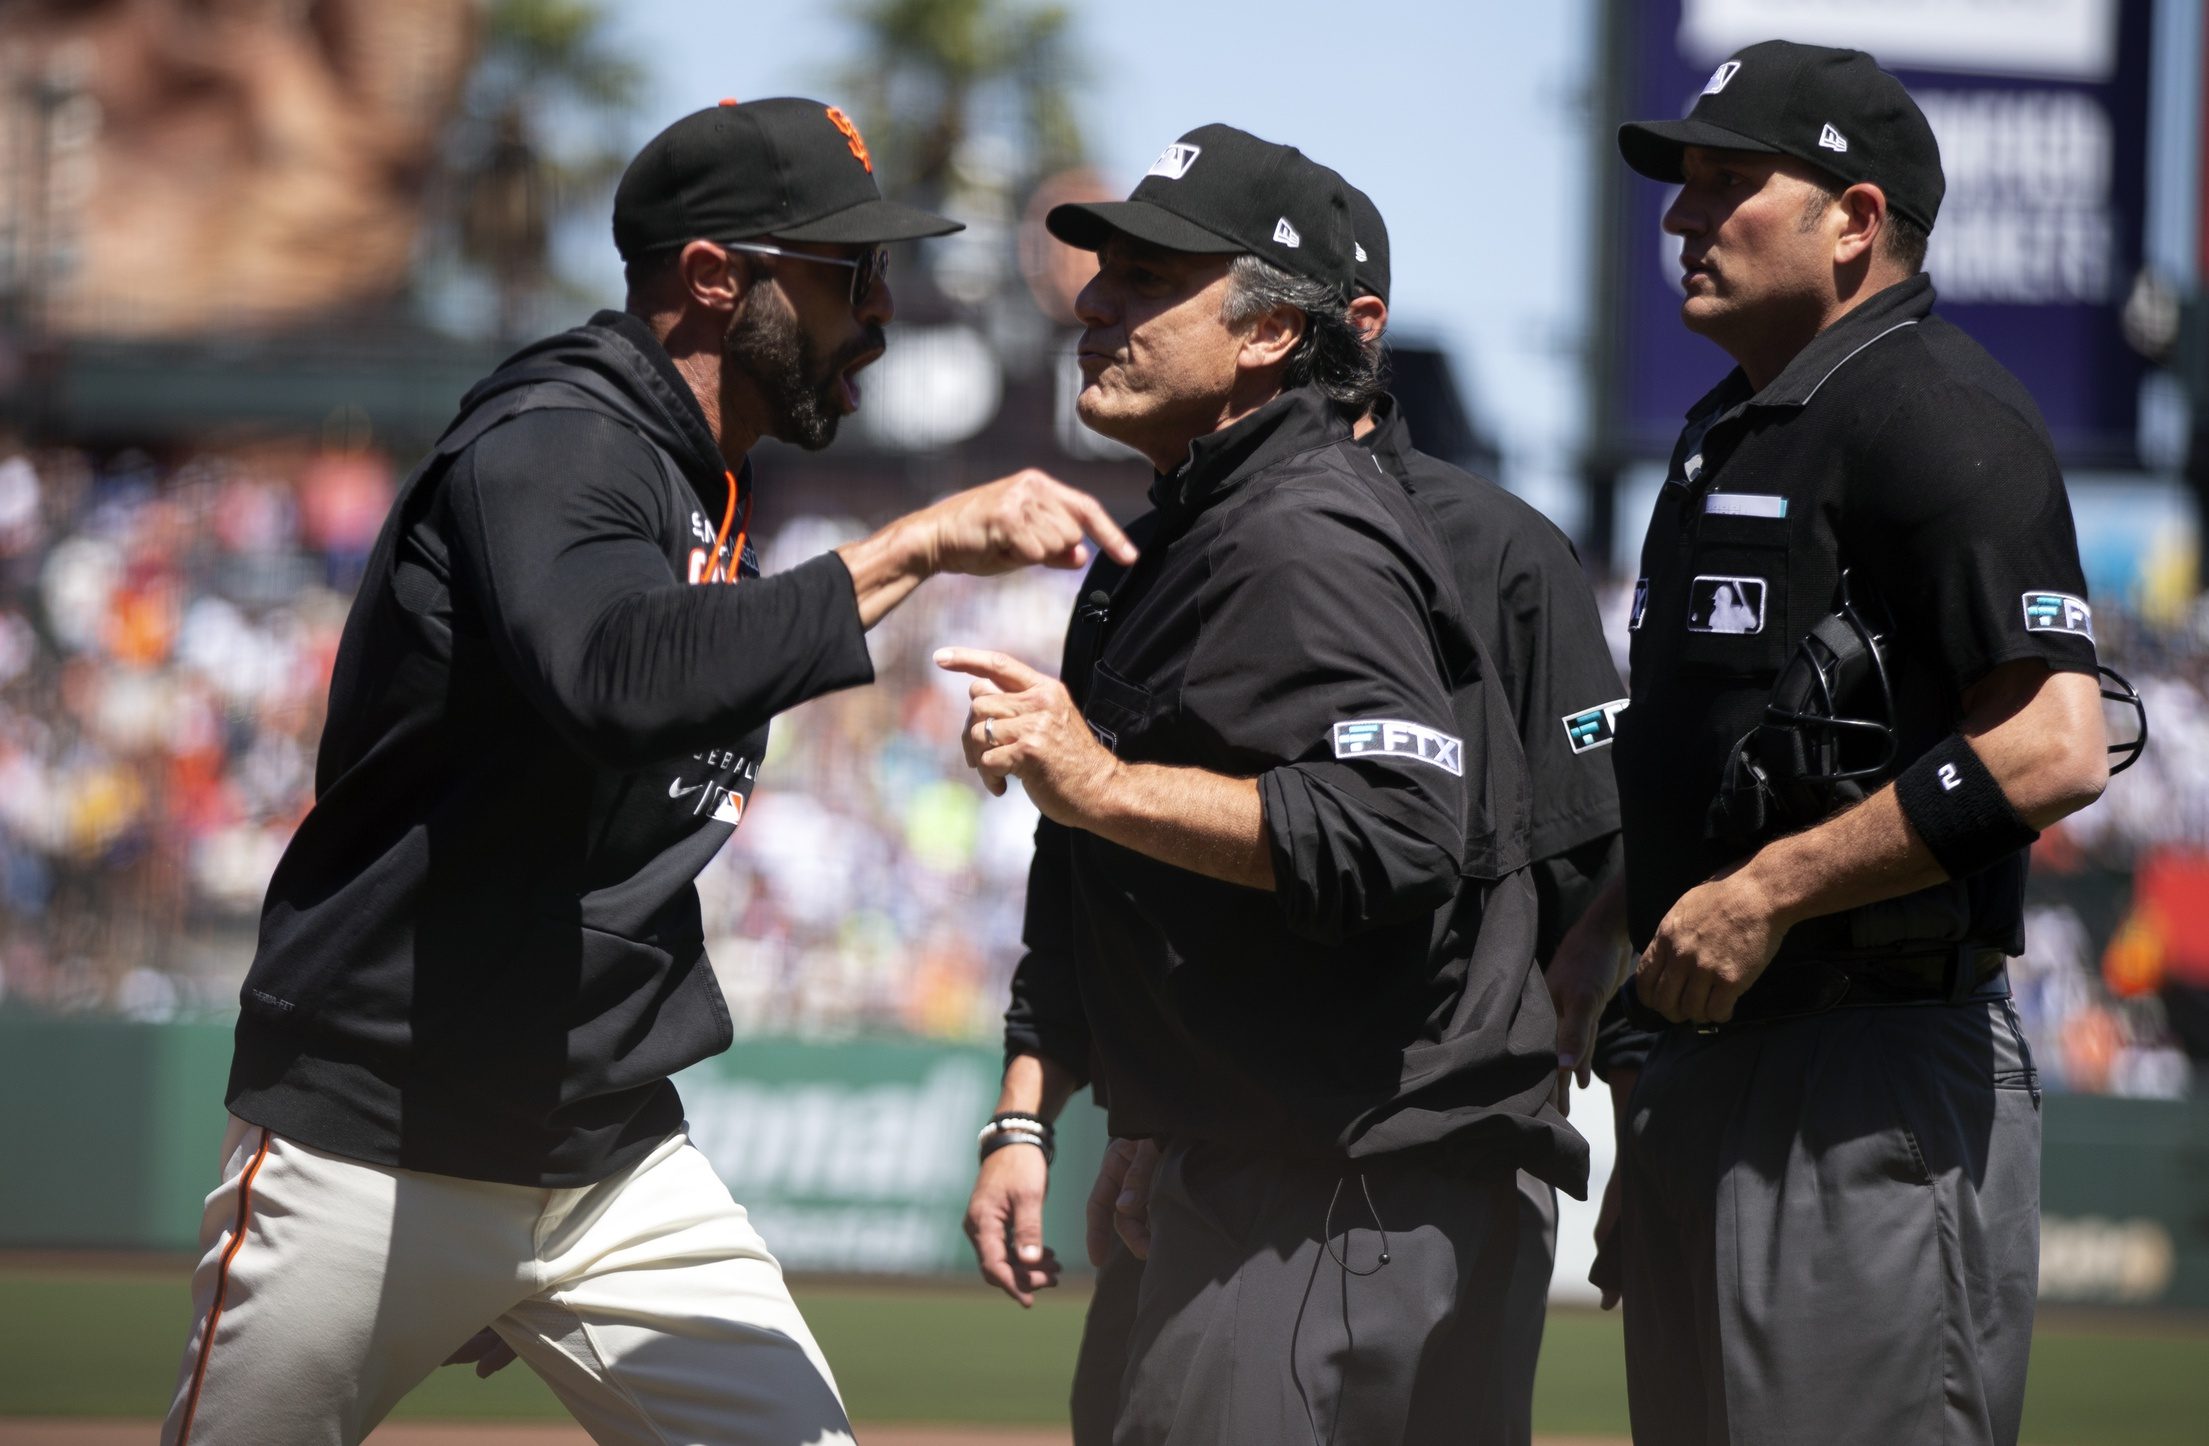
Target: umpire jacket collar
(1298,420)
(1906,303)
(1390,439)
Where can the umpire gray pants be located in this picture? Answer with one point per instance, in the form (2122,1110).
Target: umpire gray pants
(1102,1361)
(1831,1230)
(1266,1314)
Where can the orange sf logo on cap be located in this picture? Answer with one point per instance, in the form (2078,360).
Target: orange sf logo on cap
(843,123)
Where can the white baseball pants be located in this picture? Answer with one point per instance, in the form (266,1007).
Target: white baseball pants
(328,1288)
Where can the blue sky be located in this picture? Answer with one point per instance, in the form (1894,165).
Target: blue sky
(1462,120)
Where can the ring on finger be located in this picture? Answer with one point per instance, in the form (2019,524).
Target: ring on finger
(989,732)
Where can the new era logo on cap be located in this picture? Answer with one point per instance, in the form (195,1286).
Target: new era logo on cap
(1173,163)
(1360,250)
(1832,139)
(1285,234)
(1720,76)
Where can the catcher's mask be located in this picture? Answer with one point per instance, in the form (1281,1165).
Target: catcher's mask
(2117,690)
(1828,734)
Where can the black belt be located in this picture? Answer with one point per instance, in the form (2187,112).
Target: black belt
(1790,988)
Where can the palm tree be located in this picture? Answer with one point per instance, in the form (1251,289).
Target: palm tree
(932,68)
(549,68)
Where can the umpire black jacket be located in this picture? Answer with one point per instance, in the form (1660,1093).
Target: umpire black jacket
(1292,620)
(1527,599)
(481,954)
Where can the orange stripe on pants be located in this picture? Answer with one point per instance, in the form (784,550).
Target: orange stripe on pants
(222,1286)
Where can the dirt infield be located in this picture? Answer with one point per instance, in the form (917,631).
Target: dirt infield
(416,1433)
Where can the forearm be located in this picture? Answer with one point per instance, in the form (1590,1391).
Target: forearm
(886,567)
(668,670)
(2040,736)
(1859,857)
(1035,1084)
(1207,823)
(1600,923)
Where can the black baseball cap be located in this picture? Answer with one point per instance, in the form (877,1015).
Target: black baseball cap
(791,168)
(1219,190)
(1834,109)
(1368,244)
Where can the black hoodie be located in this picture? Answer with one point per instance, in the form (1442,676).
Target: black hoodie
(481,954)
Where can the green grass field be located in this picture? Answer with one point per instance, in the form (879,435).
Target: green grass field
(104,1342)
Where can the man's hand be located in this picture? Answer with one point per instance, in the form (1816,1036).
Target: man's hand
(1120,1201)
(1021,724)
(1017,521)
(1607,1274)
(1709,949)
(1591,962)
(486,1351)
(1004,1219)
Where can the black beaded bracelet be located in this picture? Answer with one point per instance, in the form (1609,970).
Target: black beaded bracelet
(1016,1127)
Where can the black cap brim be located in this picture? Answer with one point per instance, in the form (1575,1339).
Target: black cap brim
(872,222)
(1653,147)
(1086,225)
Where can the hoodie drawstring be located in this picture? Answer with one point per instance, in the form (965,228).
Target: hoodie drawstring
(743,531)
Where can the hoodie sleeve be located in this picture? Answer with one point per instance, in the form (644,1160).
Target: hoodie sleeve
(561,542)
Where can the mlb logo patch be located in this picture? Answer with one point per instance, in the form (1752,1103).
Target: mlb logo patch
(730,809)
(2058,612)
(1726,605)
(1720,76)
(1641,604)
(1173,163)
(1391,737)
(1593,728)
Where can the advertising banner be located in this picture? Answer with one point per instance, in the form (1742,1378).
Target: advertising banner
(858,1156)
(2041,110)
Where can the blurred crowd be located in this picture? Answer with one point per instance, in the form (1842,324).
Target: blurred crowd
(166,634)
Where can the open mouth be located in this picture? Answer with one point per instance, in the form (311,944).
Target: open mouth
(847,380)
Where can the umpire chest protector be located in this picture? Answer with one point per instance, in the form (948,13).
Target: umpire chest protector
(1831,562)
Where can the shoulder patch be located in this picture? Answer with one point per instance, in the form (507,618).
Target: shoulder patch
(1375,737)
(2058,612)
(1593,728)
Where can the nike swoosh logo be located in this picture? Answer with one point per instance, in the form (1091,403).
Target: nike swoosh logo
(676,789)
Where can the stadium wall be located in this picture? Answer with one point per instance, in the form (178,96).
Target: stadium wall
(856,1157)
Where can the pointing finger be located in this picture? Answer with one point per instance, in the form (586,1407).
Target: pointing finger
(1098,524)
(1003,669)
